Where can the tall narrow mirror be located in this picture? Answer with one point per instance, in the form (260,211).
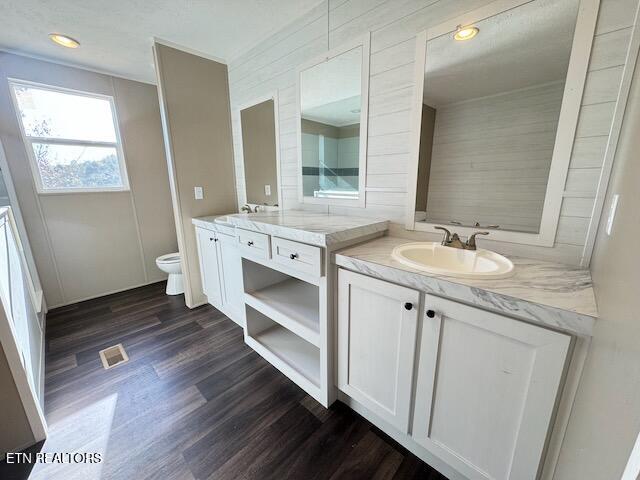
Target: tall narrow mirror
(332,149)
(492,100)
(258,123)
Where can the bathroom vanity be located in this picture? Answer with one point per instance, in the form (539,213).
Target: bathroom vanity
(271,273)
(477,373)
(475,376)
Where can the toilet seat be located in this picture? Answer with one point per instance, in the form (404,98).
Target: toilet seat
(169,258)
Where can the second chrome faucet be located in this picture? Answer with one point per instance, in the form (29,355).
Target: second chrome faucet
(453,240)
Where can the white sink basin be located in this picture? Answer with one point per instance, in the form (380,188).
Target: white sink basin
(434,258)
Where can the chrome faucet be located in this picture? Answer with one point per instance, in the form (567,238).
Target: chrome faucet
(453,240)
(247,208)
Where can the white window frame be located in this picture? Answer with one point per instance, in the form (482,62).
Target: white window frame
(29,140)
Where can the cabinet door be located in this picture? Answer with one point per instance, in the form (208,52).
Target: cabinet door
(486,389)
(231,277)
(377,324)
(209,265)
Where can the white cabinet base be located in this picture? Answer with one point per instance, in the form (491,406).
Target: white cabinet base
(403,439)
(377,331)
(486,389)
(481,391)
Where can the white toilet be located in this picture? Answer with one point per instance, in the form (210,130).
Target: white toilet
(170,263)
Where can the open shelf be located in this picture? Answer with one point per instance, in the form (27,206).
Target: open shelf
(296,353)
(292,303)
(295,357)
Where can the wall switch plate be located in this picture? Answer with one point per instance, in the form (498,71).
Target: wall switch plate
(198,193)
(267,190)
(612,213)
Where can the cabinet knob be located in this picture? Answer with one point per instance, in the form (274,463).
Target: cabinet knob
(250,242)
(211,239)
(431,313)
(293,256)
(215,239)
(408,305)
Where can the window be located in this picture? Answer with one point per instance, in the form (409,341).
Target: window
(71,138)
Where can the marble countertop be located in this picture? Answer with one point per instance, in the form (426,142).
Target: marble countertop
(320,229)
(550,294)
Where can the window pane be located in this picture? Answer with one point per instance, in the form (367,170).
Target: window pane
(47,113)
(71,166)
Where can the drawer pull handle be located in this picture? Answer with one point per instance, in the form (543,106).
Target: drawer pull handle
(250,242)
(408,305)
(431,313)
(293,256)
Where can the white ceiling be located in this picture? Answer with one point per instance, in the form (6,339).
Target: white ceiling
(116,35)
(526,46)
(330,91)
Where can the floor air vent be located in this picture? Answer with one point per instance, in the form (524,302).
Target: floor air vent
(113,356)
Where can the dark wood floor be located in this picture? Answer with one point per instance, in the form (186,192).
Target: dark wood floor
(193,402)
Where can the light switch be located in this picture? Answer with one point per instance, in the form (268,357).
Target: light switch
(198,193)
(267,190)
(612,213)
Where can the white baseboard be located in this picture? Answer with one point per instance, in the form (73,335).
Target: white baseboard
(104,294)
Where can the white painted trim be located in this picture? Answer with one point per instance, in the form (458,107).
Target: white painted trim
(29,140)
(28,397)
(191,51)
(276,118)
(614,137)
(567,122)
(363,41)
(40,303)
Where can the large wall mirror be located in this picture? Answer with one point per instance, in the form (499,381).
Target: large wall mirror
(497,114)
(259,123)
(333,99)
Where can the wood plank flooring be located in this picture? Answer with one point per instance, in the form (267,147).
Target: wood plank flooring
(193,402)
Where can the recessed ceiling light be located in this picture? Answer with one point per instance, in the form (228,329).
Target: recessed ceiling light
(465,33)
(64,40)
(355,110)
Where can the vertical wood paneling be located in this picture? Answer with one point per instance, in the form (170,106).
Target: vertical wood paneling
(393,25)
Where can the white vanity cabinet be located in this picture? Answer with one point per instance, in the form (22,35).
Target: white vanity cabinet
(209,266)
(480,388)
(221,272)
(230,268)
(486,388)
(377,332)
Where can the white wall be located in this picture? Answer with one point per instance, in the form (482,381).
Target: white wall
(89,244)
(491,156)
(605,419)
(393,25)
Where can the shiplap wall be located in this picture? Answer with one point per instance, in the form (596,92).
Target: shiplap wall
(271,66)
(491,156)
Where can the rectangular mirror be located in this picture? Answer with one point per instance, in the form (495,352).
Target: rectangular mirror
(260,152)
(497,118)
(333,98)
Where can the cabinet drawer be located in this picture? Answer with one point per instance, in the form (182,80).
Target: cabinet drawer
(254,243)
(301,257)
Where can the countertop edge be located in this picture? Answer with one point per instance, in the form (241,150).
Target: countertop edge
(560,319)
(298,234)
